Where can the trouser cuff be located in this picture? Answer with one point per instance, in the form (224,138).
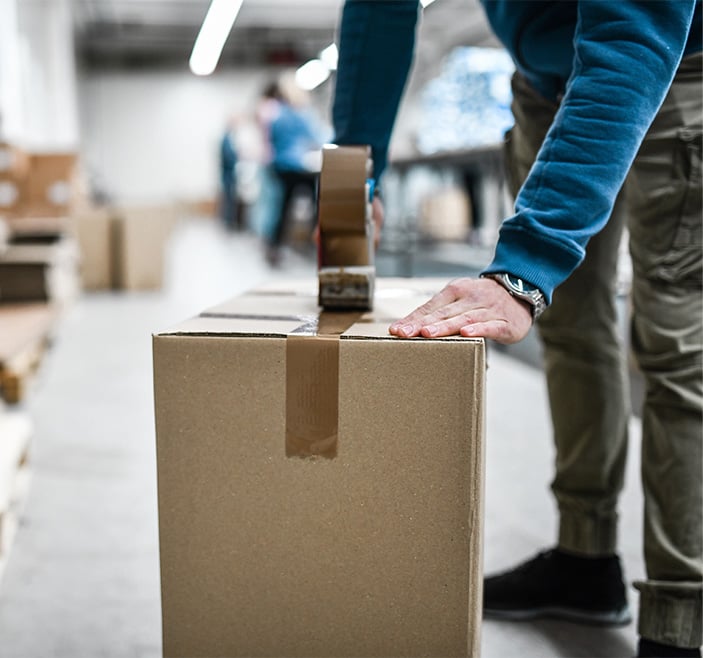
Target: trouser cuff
(671,612)
(579,533)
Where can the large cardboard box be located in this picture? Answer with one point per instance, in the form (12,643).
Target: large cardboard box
(320,482)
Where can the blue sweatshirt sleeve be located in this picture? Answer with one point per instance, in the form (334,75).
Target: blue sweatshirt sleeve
(626,55)
(376,46)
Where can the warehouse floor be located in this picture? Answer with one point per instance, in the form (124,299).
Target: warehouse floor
(82,580)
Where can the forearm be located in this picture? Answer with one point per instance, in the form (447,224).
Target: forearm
(626,56)
(375,54)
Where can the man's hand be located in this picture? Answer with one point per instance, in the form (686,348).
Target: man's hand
(471,308)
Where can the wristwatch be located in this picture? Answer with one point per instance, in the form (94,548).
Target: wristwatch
(521,290)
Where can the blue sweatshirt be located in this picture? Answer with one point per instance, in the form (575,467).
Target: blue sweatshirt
(610,61)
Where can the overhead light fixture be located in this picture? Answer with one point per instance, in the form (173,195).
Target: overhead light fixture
(329,56)
(425,3)
(311,74)
(212,36)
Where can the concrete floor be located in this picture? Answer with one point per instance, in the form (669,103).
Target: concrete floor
(82,580)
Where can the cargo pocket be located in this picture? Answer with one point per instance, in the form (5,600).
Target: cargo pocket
(664,199)
(684,262)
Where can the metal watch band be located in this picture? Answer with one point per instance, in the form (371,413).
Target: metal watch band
(520,290)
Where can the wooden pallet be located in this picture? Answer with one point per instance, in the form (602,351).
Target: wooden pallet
(26,333)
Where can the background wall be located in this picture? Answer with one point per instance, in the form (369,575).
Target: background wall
(153,135)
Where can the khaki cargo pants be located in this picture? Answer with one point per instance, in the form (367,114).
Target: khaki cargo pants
(586,367)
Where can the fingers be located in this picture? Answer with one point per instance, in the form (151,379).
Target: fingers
(470,308)
(441,307)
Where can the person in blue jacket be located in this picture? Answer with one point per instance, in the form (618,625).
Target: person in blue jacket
(293,139)
(228,177)
(607,105)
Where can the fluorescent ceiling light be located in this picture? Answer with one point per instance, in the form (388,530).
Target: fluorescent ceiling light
(311,74)
(424,3)
(329,57)
(213,34)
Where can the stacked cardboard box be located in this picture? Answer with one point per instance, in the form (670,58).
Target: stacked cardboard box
(123,248)
(320,482)
(49,186)
(36,184)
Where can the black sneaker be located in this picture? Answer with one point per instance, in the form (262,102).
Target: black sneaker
(557,584)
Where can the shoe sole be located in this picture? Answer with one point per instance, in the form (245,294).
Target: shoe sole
(611,618)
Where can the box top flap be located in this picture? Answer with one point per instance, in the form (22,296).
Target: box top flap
(287,308)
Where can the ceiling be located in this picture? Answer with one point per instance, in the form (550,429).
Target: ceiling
(127,33)
(124,32)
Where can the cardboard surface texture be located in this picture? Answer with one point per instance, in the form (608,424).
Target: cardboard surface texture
(320,481)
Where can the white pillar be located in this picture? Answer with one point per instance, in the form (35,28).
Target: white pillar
(48,71)
(11,96)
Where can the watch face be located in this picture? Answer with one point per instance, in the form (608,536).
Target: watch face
(519,284)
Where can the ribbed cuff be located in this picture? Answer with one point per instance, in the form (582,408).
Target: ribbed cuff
(671,612)
(586,535)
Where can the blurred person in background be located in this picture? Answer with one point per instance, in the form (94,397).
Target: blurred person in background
(266,207)
(228,177)
(295,143)
(607,95)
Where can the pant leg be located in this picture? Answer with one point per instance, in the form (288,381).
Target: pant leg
(287,181)
(228,201)
(291,180)
(664,195)
(584,362)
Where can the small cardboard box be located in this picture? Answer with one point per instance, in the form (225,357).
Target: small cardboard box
(320,482)
(446,214)
(139,236)
(93,230)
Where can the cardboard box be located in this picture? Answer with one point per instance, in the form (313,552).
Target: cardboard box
(10,196)
(93,230)
(39,270)
(14,162)
(48,189)
(139,235)
(446,214)
(320,482)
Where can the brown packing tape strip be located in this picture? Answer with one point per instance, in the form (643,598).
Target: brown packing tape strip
(312,388)
(342,191)
(345,251)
